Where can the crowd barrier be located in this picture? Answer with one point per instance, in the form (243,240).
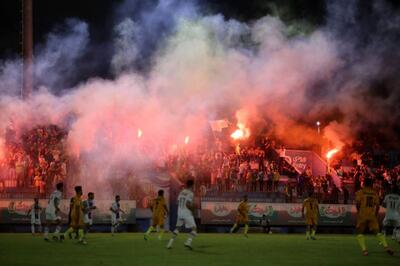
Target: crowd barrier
(212,212)
(15,211)
(279,214)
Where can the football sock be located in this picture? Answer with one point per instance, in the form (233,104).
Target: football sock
(33,228)
(46,232)
(398,234)
(192,234)
(69,231)
(174,236)
(175,233)
(313,231)
(361,242)
(246,228)
(160,235)
(151,229)
(57,231)
(81,234)
(382,239)
(233,227)
(307,233)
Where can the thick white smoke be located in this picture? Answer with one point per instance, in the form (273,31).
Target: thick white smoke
(204,67)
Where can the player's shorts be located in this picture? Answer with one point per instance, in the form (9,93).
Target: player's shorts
(371,223)
(36,221)
(158,220)
(52,216)
(187,220)
(241,219)
(87,220)
(391,222)
(311,220)
(77,221)
(115,219)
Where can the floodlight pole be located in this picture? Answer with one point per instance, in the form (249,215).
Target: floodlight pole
(27,48)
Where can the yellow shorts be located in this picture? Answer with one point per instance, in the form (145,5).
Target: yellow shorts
(77,221)
(158,220)
(240,219)
(311,220)
(371,223)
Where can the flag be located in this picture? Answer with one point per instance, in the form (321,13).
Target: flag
(218,125)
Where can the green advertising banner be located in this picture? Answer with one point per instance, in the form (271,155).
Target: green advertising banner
(282,214)
(15,211)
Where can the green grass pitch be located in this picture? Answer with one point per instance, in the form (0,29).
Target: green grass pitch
(209,249)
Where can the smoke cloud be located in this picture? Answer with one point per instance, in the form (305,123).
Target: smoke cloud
(177,68)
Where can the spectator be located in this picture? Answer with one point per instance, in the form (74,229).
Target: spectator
(282,153)
(261,175)
(345,195)
(335,195)
(265,224)
(275,180)
(38,149)
(300,185)
(289,192)
(249,177)
(254,178)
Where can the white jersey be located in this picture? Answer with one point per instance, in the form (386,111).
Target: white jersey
(185,196)
(35,213)
(392,203)
(55,199)
(116,213)
(87,210)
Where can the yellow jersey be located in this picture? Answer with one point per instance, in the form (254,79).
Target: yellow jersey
(367,200)
(76,212)
(159,206)
(311,206)
(243,208)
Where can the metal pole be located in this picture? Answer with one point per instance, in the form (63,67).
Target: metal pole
(27,41)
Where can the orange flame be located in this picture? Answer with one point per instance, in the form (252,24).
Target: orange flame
(139,133)
(187,139)
(330,153)
(241,133)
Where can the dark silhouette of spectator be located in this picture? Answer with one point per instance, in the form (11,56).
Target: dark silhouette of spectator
(345,195)
(335,195)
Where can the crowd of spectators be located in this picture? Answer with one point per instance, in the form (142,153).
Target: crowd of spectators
(37,159)
(34,161)
(263,168)
(249,168)
(385,179)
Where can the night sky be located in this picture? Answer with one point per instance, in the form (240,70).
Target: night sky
(100,16)
(103,15)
